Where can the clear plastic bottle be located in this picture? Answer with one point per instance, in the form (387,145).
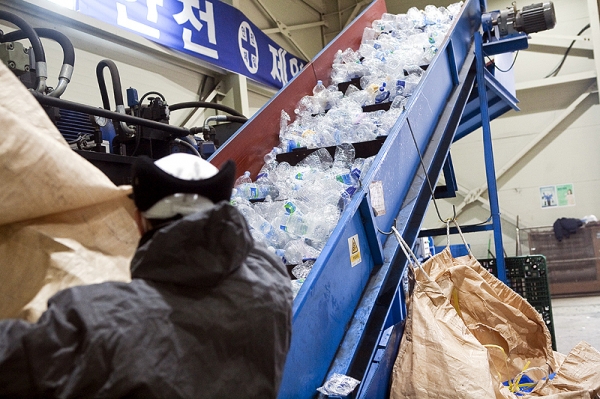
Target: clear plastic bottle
(245,178)
(283,123)
(319,88)
(269,232)
(298,252)
(294,224)
(272,155)
(416,16)
(323,225)
(289,207)
(383,94)
(321,98)
(357,167)
(400,85)
(369,34)
(345,178)
(344,156)
(253,191)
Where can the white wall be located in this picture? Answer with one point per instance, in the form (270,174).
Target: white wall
(567,154)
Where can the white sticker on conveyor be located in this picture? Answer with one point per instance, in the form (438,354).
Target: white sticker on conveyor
(354,247)
(377,201)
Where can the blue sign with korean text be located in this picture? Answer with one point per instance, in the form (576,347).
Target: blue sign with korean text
(210,30)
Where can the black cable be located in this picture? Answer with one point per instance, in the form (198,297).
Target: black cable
(485,221)
(204,104)
(557,69)
(511,65)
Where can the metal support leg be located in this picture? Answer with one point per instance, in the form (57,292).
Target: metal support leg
(489,157)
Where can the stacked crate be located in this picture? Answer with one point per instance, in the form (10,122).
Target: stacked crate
(528,277)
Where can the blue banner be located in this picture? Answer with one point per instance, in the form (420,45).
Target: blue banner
(210,30)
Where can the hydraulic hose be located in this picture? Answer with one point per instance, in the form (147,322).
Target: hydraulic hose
(223,118)
(204,104)
(116,82)
(188,145)
(117,90)
(66,72)
(216,118)
(41,69)
(60,103)
(238,119)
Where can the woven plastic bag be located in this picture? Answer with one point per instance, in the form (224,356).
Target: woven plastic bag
(468,335)
(438,356)
(62,221)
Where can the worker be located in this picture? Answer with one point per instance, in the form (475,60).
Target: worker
(207,313)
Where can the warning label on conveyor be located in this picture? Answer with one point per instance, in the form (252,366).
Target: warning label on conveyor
(354,247)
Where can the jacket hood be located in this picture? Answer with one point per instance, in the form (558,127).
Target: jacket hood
(198,250)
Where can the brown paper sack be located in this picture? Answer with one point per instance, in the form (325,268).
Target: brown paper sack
(467,332)
(62,221)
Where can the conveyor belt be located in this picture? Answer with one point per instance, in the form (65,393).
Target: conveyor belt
(342,310)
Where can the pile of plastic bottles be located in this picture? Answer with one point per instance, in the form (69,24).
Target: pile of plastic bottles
(388,65)
(294,209)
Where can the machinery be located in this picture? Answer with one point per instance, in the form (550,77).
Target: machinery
(511,21)
(108,138)
(347,316)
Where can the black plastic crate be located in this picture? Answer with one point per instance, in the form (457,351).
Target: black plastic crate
(528,277)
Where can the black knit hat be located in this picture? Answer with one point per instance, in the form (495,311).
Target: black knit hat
(151,184)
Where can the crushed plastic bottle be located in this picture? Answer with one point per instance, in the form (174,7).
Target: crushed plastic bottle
(296,285)
(297,252)
(302,270)
(338,385)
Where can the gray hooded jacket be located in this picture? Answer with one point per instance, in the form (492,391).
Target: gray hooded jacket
(207,315)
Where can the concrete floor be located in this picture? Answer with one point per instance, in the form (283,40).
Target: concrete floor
(576,319)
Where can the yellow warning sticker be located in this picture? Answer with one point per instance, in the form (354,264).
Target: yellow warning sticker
(354,247)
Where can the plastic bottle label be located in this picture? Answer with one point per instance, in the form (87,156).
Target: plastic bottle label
(289,207)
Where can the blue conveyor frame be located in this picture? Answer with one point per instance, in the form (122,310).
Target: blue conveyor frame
(342,310)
